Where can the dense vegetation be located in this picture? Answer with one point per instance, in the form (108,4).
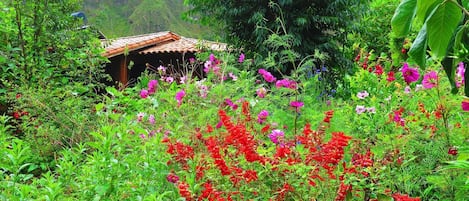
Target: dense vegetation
(391,129)
(132,17)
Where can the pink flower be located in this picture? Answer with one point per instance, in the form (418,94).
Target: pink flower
(192,60)
(430,80)
(161,70)
(410,74)
(179,96)
(261,92)
(371,110)
(140,116)
(407,89)
(144,93)
(232,76)
(262,116)
(231,104)
(286,83)
(169,79)
(297,104)
(276,136)
(152,86)
(362,94)
(241,58)
(268,77)
(151,119)
(465,105)
(360,109)
(460,75)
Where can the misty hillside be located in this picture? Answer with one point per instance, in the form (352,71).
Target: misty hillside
(117,18)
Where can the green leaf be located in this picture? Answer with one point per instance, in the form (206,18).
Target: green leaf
(424,8)
(418,51)
(465,4)
(441,26)
(402,19)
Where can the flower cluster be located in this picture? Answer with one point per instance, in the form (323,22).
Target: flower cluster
(152,85)
(268,77)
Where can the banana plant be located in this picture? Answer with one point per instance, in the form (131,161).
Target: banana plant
(443,29)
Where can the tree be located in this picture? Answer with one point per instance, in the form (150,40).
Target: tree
(303,26)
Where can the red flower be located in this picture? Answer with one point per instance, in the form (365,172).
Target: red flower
(400,197)
(453,151)
(390,76)
(212,147)
(184,191)
(250,175)
(173,178)
(328,117)
(378,70)
(342,192)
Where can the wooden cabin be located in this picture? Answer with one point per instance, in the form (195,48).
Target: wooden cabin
(151,50)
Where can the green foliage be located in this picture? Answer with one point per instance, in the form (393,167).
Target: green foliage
(307,25)
(117,18)
(443,32)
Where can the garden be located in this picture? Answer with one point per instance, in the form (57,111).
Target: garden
(387,121)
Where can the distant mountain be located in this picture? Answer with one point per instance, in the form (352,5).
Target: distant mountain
(117,18)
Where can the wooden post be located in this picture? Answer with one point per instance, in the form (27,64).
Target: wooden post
(123,71)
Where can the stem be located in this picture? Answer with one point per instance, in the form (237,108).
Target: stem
(466,12)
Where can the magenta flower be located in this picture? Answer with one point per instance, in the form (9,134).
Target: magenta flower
(360,109)
(268,77)
(465,105)
(179,96)
(219,124)
(262,116)
(297,104)
(231,104)
(192,60)
(241,58)
(276,136)
(430,80)
(144,93)
(152,86)
(212,58)
(410,74)
(286,83)
(362,94)
(460,75)
(261,92)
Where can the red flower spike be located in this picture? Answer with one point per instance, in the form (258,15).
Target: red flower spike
(184,191)
(212,147)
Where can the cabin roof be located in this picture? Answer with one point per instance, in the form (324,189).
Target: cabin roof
(159,42)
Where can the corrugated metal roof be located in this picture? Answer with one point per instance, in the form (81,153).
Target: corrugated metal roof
(117,46)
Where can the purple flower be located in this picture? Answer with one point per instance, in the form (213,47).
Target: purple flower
(276,136)
(144,93)
(192,60)
(212,58)
(261,92)
(410,74)
(360,109)
(241,58)
(179,96)
(297,104)
(262,116)
(362,94)
(430,80)
(151,119)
